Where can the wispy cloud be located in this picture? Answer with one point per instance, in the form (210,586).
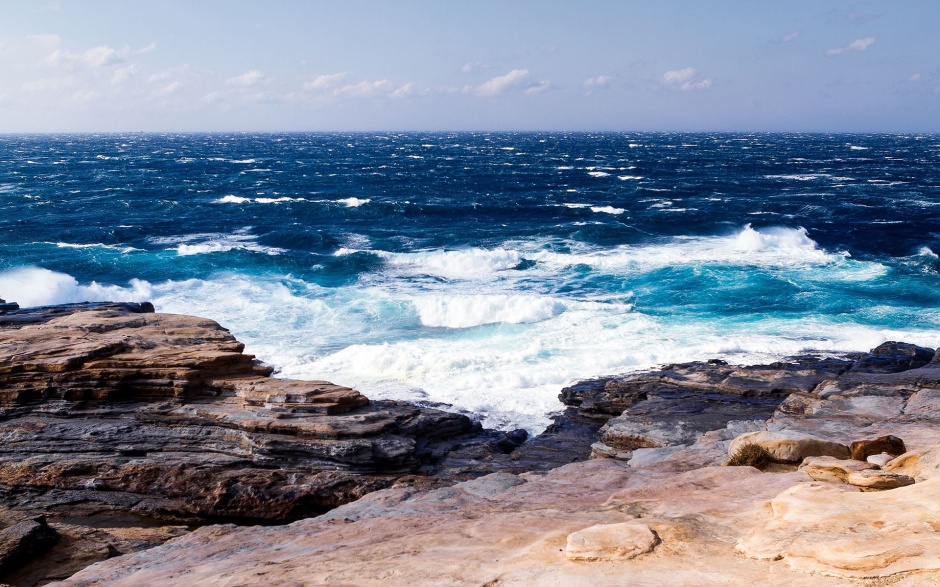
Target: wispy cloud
(122,74)
(335,86)
(856,45)
(600,81)
(499,84)
(789,37)
(472,66)
(916,77)
(248,79)
(686,79)
(93,58)
(538,88)
(325,81)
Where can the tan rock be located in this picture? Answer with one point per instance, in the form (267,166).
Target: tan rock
(611,542)
(837,530)
(831,469)
(787,447)
(890,444)
(880,459)
(878,480)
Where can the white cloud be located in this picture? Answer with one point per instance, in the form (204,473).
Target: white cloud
(472,66)
(248,79)
(601,81)
(325,81)
(167,89)
(699,85)
(123,73)
(148,49)
(93,58)
(365,89)
(537,88)
(790,37)
(915,77)
(501,83)
(687,79)
(405,91)
(679,75)
(856,45)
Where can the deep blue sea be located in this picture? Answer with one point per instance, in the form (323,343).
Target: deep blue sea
(487,270)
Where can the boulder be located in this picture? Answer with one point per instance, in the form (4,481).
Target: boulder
(892,445)
(893,357)
(789,447)
(880,459)
(611,542)
(878,480)
(833,470)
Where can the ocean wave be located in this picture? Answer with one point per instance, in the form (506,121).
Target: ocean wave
(36,286)
(122,249)
(404,342)
(466,311)
(459,264)
(201,244)
(767,247)
(607,210)
(353,202)
(230,199)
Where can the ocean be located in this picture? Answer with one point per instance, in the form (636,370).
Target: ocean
(485,271)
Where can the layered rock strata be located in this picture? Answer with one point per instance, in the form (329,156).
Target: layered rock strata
(124,428)
(668,514)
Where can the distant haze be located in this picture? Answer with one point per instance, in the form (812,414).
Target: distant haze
(731,65)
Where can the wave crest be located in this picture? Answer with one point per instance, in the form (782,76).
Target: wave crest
(477,310)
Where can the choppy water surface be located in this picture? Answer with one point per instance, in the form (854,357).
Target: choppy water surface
(487,270)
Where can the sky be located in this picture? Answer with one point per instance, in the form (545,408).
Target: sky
(448,65)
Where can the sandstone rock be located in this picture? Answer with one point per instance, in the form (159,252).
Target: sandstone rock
(880,459)
(833,470)
(835,530)
(110,410)
(611,542)
(879,480)
(892,445)
(788,447)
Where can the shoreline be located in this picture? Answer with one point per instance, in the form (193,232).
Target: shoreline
(134,416)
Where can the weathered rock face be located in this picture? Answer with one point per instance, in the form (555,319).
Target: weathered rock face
(676,405)
(112,415)
(594,522)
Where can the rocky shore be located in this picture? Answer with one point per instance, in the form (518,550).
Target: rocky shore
(151,445)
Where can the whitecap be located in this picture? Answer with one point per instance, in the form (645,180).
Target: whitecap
(206,243)
(598,173)
(36,286)
(607,210)
(123,249)
(230,199)
(465,311)
(353,202)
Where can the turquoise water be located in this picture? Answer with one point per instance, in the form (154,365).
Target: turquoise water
(486,271)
